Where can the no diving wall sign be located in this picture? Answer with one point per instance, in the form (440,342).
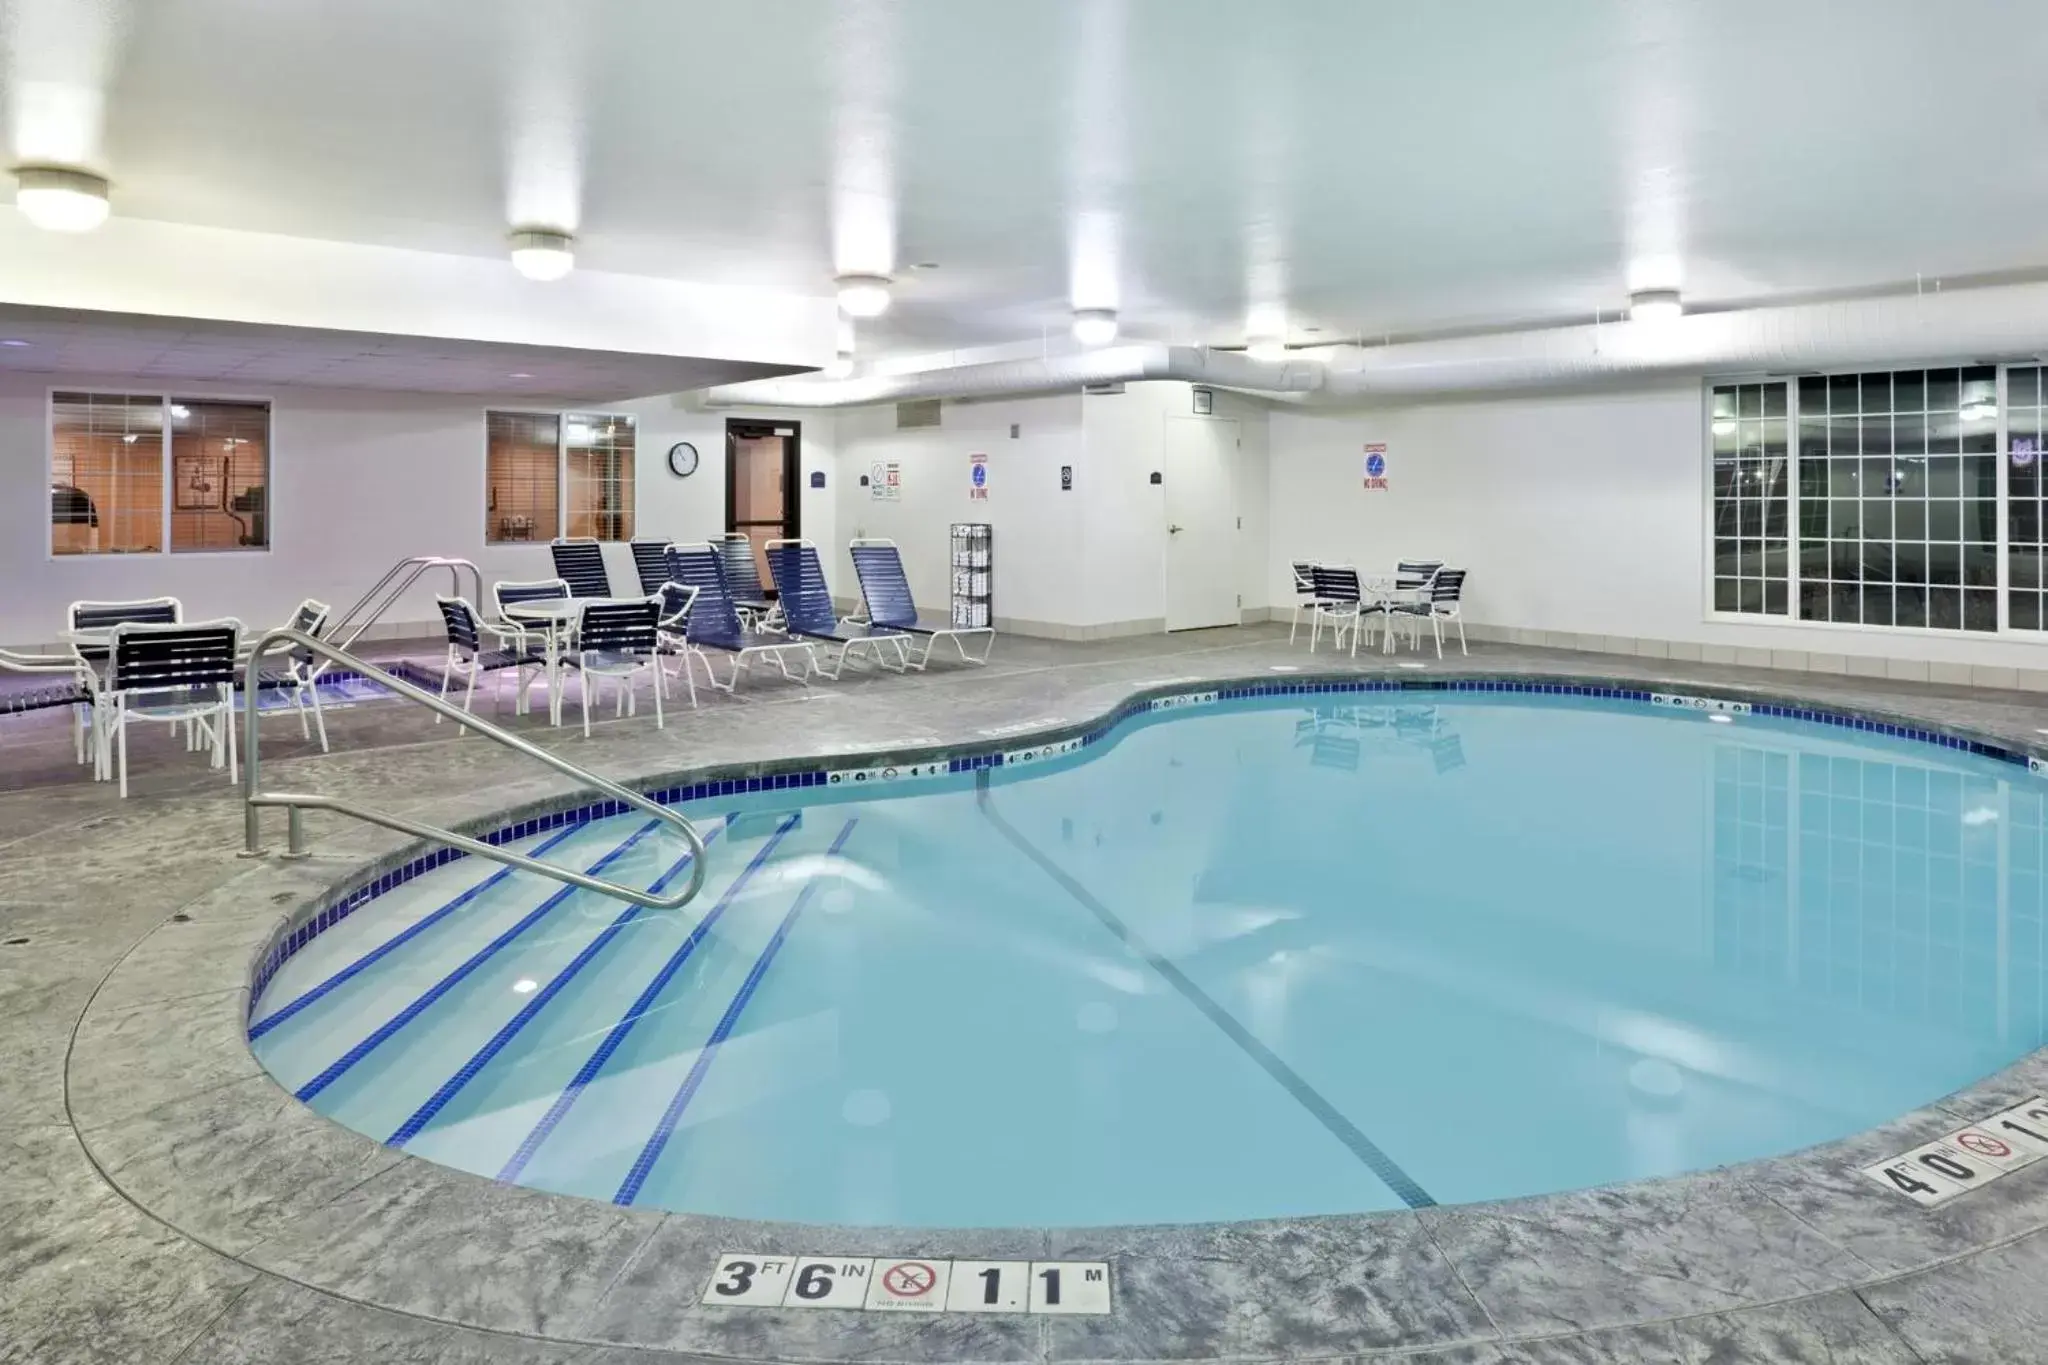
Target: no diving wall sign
(1376,467)
(910,1284)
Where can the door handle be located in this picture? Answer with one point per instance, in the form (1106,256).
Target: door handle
(1173,530)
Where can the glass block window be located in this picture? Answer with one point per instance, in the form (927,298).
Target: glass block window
(106,474)
(522,476)
(598,450)
(1898,498)
(2026,388)
(1752,474)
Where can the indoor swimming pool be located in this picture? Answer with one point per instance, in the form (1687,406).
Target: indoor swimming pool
(1241,958)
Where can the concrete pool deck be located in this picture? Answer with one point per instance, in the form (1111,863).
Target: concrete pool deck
(164,1200)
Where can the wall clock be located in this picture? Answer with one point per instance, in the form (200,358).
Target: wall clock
(682,459)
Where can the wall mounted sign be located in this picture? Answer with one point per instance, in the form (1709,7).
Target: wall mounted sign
(1156,478)
(1066,478)
(977,477)
(885,481)
(1205,402)
(1376,467)
(817,478)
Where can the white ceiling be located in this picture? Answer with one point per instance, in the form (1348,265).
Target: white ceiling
(58,341)
(1367,166)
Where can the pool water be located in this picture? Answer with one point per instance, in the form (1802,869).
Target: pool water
(1256,959)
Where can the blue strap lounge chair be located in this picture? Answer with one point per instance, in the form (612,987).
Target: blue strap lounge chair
(887,593)
(714,622)
(743,581)
(650,561)
(580,564)
(808,613)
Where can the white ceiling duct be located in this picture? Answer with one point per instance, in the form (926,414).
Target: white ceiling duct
(1050,374)
(1993,322)
(1986,323)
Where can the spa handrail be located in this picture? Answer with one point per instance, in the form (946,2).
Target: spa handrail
(255,798)
(420,566)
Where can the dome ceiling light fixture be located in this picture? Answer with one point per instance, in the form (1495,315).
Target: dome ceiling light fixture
(1655,306)
(863,296)
(1095,326)
(542,253)
(61,198)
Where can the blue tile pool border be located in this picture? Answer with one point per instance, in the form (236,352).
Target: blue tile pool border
(805,774)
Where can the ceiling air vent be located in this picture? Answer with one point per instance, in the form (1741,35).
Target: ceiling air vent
(1101,389)
(921,412)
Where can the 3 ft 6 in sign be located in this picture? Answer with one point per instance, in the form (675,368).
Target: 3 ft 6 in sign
(909,1284)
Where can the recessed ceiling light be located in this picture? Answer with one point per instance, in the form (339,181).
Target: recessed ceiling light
(1720,719)
(519,374)
(1313,331)
(14,341)
(863,296)
(60,198)
(543,253)
(926,265)
(1094,326)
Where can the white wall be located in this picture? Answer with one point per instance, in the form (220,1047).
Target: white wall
(1082,562)
(1040,573)
(359,481)
(1580,514)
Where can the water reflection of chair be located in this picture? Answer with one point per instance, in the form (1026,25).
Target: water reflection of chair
(1328,743)
(1340,736)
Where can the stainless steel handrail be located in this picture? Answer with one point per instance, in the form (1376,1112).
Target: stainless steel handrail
(294,802)
(420,565)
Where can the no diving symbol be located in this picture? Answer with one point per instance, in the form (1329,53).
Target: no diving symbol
(1983,1144)
(909,1279)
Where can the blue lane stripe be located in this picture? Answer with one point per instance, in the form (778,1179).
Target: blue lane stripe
(595,1063)
(397,941)
(643,1165)
(1343,1129)
(451,1087)
(449,982)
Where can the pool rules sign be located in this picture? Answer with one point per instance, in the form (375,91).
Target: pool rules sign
(1376,467)
(909,1284)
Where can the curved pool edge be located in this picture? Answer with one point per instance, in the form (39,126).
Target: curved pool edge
(431,1242)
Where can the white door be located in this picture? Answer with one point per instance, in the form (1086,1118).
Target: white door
(1201,523)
